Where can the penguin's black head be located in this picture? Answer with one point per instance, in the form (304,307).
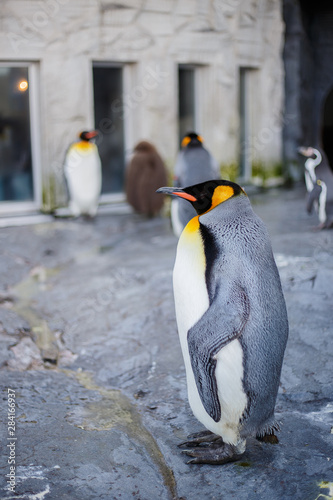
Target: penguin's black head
(192,140)
(88,135)
(206,195)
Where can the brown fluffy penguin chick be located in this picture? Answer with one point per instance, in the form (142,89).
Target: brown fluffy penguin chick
(144,174)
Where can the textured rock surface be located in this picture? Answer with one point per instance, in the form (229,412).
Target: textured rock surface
(103,417)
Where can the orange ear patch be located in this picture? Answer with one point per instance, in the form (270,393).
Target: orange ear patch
(221,194)
(185,141)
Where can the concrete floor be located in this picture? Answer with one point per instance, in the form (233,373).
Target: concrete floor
(89,347)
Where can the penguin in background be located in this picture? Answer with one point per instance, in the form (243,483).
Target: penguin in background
(83,174)
(232,321)
(194,164)
(144,174)
(319,184)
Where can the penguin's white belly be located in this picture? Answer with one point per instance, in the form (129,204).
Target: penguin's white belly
(322,203)
(176,224)
(192,301)
(310,179)
(229,375)
(84,181)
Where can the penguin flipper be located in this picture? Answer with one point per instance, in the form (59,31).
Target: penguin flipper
(223,322)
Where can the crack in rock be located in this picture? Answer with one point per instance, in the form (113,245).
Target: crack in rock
(116,410)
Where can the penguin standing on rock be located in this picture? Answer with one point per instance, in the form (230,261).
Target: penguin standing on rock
(194,165)
(232,321)
(83,173)
(319,184)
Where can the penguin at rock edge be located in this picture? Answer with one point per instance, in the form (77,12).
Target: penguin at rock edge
(194,164)
(319,184)
(83,174)
(232,321)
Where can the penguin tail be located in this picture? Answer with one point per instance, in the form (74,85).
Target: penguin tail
(268,430)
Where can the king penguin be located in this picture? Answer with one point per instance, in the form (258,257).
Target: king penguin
(144,173)
(319,184)
(194,164)
(84,175)
(232,320)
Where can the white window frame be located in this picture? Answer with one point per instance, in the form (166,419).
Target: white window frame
(21,207)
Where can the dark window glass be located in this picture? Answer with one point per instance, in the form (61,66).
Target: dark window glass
(327,128)
(15,146)
(109,120)
(186,102)
(245,160)
(243,130)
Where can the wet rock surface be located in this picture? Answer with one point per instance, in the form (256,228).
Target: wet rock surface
(89,345)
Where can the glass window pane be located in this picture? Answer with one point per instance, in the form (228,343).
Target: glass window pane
(245,124)
(15,145)
(186,102)
(327,128)
(109,120)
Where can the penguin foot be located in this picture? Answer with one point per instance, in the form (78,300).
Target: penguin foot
(199,437)
(208,448)
(320,227)
(89,218)
(217,453)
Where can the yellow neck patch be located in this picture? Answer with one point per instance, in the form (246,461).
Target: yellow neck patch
(191,242)
(84,145)
(192,226)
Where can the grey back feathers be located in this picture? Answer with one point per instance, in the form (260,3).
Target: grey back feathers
(193,166)
(243,282)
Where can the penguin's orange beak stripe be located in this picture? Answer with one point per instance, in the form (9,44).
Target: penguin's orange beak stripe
(176,192)
(186,196)
(91,134)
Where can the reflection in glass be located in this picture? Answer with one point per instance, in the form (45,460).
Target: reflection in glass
(186,102)
(109,120)
(15,145)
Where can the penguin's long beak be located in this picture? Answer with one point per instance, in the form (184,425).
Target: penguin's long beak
(176,192)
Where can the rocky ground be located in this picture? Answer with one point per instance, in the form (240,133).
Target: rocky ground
(90,353)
